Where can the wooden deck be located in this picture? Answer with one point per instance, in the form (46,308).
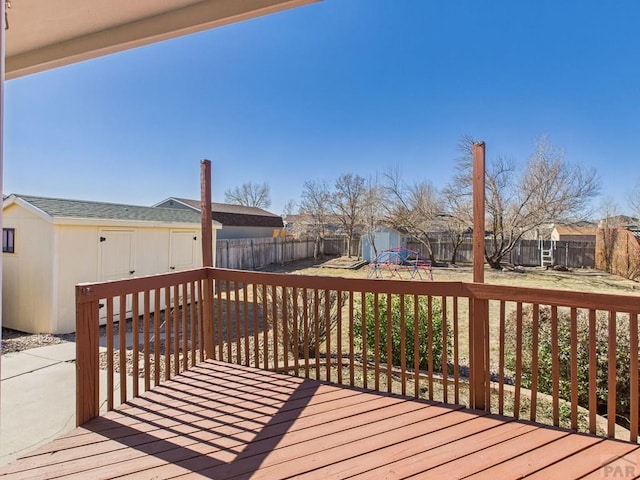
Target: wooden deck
(227,421)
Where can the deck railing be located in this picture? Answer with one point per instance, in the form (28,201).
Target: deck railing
(559,357)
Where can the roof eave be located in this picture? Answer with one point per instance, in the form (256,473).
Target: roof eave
(136,33)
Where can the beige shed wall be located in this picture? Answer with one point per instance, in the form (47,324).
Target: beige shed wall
(27,284)
(78,261)
(75,261)
(50,259)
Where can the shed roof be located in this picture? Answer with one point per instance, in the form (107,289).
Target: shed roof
(66,208)
(234,215)
(575,230)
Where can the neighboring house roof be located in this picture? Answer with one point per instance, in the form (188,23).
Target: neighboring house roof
(82,209)
(616,221)
(575,230)
(228,214)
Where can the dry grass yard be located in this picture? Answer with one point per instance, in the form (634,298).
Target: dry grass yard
(583,280)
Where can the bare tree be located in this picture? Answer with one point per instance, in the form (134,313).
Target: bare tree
(289,208)
(250,195)
(455,227)
(315,203)
(547,190)
(413,209)
(347,202)
(457,201)
(634,200)
(373,212)
(609,224)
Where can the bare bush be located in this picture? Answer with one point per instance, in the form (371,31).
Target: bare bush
(302,318)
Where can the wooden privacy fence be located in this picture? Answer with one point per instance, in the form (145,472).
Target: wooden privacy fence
(526,252)
(558,357)
(618,252)
(257,253)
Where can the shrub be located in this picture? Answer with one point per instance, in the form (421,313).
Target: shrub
(301,328)
(425,330)
(545,358)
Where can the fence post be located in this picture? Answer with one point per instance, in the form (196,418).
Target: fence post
(87,357)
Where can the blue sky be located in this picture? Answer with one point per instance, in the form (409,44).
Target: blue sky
(338,86)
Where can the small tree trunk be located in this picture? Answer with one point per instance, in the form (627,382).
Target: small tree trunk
(316,247)
(494,263)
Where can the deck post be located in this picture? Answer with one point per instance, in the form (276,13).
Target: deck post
(205,213)
(479,313)
(87,357)
(207,255)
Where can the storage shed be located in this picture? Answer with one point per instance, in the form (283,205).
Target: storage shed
(573,233)
(384,238)
(51,244)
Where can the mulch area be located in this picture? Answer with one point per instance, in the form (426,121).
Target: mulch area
(16,341)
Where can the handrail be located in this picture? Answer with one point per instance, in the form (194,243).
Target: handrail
(342,330)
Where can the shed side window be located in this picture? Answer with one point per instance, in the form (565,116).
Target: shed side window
(8,240)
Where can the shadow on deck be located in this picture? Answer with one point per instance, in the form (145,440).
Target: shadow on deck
(228,421)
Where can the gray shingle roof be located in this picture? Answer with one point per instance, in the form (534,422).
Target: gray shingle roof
(59,207)
(229,208)
(236,215)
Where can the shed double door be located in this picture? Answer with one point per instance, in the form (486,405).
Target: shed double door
(116,254)
(183,249)
(116,262)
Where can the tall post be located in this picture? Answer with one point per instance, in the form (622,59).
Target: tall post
(205,212)
(479,307)
(478,211)
(207,256)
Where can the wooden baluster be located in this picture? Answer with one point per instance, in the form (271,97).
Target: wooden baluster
(534,361)
(403,346)
(445,359)
(146,334)
(156,336)
(574,368)
(593,365)
(612,383)
(110,353)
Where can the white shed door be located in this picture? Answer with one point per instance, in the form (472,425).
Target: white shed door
(116,254)
(183,250)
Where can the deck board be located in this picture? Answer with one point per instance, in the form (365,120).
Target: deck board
(228,421)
